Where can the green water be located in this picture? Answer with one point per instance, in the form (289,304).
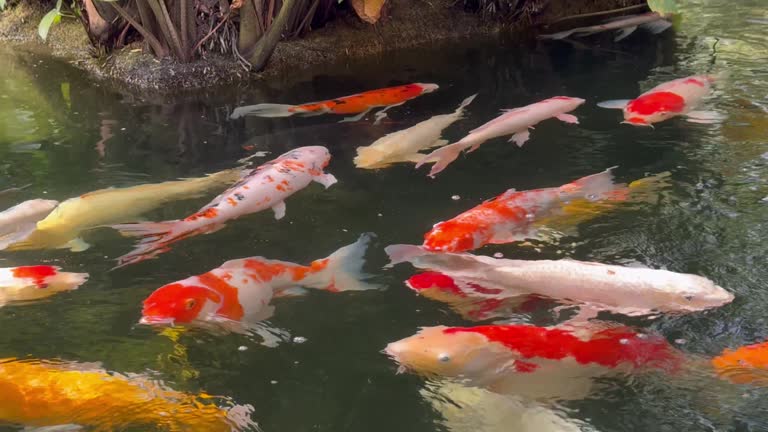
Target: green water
(65,135)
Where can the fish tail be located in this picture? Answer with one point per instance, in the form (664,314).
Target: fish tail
(344,268)
(557,36)
(442,157)
(595,186)
(265,110)
(464,103)
(155,238)
(400,253)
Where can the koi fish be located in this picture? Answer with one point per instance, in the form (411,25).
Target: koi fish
(626,25)
(266,186)
(404,145)
(508,217)
(745,365)
(531,360)
(27,283)
(472,300)
(19,221)
(515,122)
(360,103)
(591,286)
(41,394)
(241,290)
(679,97)
(62,227)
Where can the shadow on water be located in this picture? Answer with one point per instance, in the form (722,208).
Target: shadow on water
(66,135)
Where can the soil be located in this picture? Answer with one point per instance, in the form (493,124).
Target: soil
(404,24)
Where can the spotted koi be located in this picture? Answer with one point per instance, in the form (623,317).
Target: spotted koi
(35,282)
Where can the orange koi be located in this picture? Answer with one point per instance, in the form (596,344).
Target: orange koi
(507,218)
(66,394)
(360,104)
(745,365)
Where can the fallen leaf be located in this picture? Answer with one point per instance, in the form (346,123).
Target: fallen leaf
(368,10)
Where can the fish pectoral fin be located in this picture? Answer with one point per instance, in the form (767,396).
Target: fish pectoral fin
(705,117)
(656,27)
(355,118)
(567,118)
(381,115)
(520,138)
(77,245)
(614,104)
(622,33)
(326,180)
(279,210)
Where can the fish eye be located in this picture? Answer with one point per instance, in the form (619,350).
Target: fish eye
(443,357)
(190,303)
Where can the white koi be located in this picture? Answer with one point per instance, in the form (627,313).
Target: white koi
(19,221)
(515,122)
(626,25)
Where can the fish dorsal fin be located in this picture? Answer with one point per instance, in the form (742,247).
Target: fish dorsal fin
(507,193)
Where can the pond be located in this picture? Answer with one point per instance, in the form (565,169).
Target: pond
(63,135)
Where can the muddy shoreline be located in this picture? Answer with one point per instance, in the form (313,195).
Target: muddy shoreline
(407,24)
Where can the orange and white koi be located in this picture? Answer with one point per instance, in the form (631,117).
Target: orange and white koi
(259,189)
(27,283)
(591,286)
(745,365)
(71,396)
(515,122)
(360,103)
(679,97)
(626,25)
(474,301)
(507,218)
(520,359)
(241,290)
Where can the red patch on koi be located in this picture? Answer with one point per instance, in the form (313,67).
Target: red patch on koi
(208,213)
(655,103)
(230,306)
(37,273)
(294,165)
(429,280)
(609,348)
(265,272)
(694,81)
(232,202)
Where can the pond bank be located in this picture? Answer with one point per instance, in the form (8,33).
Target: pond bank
(407,23)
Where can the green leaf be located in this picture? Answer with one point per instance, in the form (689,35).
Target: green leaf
(48,20)
(66,94)
(664,6)
(2,4)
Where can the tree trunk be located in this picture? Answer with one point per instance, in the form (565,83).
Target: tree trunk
(250,26)
(97,26)
(262,51)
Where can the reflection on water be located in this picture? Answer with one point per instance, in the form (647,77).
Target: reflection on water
(62,136)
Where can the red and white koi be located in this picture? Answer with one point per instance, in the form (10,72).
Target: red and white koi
(508,217)
(360,104)
(531,360)
(240,291)
(515,122)
(591,286)
(474,301)
(261,188)
(626,25)
(27,283)
(679,97)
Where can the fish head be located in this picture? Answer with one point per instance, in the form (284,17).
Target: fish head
(427,87)
(436,351)
(50,278)
(316,156)
(568,103)
(178,303)
(653,108)
(704,294)
(436,286)
(452,236)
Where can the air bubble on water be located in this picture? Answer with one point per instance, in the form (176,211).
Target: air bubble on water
(379,215)
(455,197)
(623,341)
(498,255)
(592,197)
(299,339)
(242,348)
(642,336)
(122,129)
(530,216)
(345,230)
(680,341)
(273,382)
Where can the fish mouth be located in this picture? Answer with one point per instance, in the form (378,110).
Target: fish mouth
(156,321)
